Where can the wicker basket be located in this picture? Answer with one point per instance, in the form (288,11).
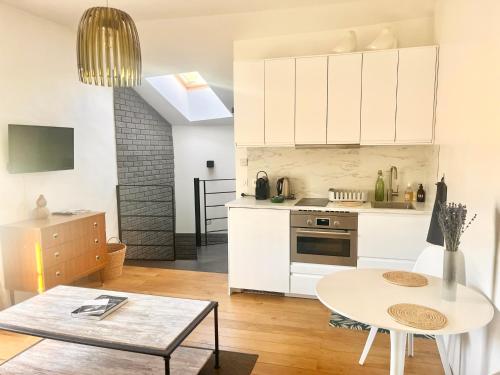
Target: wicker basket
(116,257)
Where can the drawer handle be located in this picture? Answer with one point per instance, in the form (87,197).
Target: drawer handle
(97,257)
(56,254)
(55,235)
(96,241)
(58,273)
(95,224)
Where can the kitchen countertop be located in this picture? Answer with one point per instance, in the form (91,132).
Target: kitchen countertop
(250,202)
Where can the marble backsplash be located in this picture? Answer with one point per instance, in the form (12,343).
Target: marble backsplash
(312,171)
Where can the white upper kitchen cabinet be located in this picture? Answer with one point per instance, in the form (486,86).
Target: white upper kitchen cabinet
(344,98)
(279,107)
(249,103)
(259,249)
(416,95)
(311,100)
(378,103)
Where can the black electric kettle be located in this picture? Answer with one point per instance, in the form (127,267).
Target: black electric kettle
(261,186)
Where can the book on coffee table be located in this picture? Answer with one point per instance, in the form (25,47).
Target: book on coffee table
(99,308)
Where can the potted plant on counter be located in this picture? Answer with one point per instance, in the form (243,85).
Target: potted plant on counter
(452,218)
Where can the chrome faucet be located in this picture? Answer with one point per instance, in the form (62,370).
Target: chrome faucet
(390,192)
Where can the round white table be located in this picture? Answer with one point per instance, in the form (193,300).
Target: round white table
(364,295)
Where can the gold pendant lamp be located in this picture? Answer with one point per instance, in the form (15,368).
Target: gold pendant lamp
(108,48)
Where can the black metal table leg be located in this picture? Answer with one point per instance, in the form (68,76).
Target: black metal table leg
(167,365)
(216,331)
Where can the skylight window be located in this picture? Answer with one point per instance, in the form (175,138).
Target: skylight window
(191,95)
(192,80)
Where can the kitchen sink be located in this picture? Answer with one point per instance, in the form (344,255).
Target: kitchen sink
(394,205)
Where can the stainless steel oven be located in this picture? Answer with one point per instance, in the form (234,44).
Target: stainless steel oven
(324,237)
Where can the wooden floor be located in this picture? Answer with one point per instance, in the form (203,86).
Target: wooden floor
(290,335)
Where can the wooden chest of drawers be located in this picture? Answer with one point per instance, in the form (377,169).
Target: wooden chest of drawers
(40,254)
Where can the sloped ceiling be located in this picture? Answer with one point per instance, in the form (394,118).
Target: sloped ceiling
(185,35)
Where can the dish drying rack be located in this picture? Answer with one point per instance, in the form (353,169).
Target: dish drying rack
(340,195)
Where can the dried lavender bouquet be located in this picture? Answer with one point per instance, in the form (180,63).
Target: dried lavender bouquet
(452,218)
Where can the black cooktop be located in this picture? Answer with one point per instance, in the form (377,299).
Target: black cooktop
(313,202)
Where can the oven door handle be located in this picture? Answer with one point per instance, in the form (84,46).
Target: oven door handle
(327,234)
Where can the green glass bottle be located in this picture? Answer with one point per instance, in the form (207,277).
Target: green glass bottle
(379,187)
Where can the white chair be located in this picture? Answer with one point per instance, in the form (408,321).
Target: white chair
(429,262)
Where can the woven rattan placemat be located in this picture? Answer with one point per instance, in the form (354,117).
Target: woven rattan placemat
(405,278)
(417,316)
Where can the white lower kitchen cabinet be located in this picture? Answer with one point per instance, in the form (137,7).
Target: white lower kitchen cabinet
(304,285)
(392,236)
(305,276)
(259,249)
(392,264)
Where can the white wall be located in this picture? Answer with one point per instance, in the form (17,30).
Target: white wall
(468,129)
(193,146)
(39,86)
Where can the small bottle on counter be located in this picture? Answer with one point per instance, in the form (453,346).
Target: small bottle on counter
(408,193)
(420,194)
(379,187)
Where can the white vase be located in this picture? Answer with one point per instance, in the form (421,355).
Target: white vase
(385,40)
(449,291)
(347,43)
(41,211)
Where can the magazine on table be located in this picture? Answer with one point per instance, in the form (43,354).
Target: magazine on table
(97,309)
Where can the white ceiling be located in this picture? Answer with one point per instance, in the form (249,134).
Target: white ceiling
(186,35)
(68,12)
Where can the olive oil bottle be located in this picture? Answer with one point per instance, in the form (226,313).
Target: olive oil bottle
(379,187)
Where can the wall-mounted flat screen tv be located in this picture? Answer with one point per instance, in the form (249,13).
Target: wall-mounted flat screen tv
(40,148)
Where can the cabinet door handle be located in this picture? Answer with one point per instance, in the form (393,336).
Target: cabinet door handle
(96,241)
(55,235)
(56,254)
(95,224)
(58,273)
(97,257)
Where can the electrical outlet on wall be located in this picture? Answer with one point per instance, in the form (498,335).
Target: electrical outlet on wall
(254,182)
(245,182)
(243,162)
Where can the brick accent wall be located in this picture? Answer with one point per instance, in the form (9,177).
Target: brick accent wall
(145,156)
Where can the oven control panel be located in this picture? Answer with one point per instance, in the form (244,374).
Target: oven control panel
(324,220)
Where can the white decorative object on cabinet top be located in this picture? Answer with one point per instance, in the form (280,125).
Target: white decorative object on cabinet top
(347,44)
(384,40)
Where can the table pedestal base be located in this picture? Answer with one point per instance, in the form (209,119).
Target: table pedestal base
(398,351)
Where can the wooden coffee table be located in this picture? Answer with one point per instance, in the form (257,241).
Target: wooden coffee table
(148,325)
